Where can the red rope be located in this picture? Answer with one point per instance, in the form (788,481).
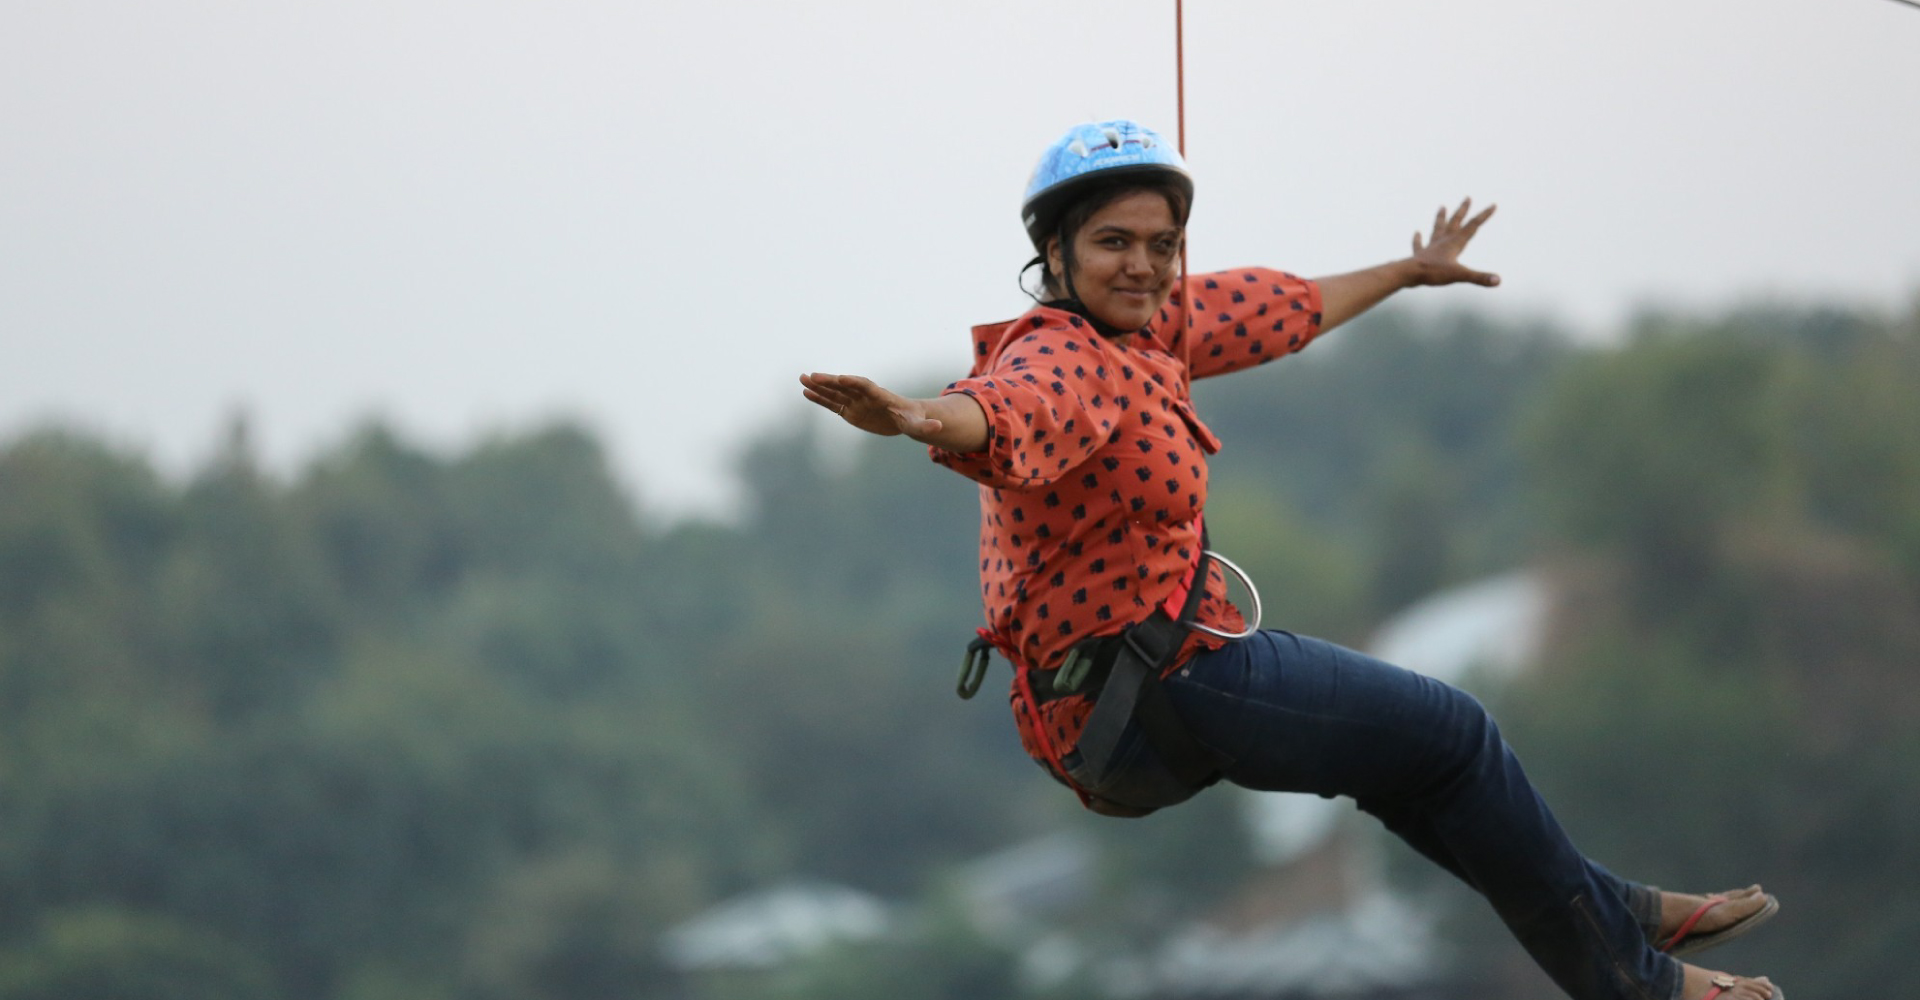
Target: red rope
(1180,69)
(1180,115)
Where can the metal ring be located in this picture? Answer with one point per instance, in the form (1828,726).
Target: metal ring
(1252,591)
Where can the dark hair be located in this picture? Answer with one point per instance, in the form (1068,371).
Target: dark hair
(1075,214)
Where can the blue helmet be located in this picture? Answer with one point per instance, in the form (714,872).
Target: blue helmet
(1091,154)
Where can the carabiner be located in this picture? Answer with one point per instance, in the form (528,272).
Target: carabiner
(1252,591)
(973,668)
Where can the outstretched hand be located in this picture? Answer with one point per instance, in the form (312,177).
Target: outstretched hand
(1438,256)
(869,406)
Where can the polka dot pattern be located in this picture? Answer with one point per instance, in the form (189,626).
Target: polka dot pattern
(1095,467)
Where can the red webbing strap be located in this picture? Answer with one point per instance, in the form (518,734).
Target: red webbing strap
(1024,688)
(1047,746)
(1180,70)
(1176,602)
(1180,105)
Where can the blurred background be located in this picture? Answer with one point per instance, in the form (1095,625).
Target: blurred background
(420,578)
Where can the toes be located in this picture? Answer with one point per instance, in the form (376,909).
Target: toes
(1740,904)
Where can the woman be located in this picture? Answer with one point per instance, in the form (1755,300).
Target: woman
(1137,688)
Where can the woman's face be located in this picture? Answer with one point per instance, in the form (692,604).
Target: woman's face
(1125,259)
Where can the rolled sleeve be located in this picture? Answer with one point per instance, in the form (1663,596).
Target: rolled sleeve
(1038,417)
(1250,316)
(992,465)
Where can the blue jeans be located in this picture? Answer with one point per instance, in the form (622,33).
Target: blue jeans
(1296,714)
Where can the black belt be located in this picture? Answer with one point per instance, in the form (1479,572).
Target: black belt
(1123,678)
(1133,692)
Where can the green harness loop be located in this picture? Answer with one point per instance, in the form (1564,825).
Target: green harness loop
(973,667)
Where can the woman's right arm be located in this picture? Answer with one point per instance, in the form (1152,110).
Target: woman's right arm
(953,422)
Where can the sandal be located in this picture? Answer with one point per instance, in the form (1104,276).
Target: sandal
(1723,983)
(1681,943)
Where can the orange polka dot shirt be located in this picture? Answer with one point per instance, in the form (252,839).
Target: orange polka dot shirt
(1095,469)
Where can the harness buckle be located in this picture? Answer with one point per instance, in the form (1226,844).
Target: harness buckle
(1073,673)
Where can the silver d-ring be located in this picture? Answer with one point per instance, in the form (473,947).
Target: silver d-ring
(1252,591)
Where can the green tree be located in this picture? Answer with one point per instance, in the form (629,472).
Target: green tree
(1730,693)
(110,954)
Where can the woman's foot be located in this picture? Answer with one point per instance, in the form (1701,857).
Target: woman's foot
(1676,908)
(1700,983)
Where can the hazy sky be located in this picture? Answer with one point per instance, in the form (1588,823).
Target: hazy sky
(466,217)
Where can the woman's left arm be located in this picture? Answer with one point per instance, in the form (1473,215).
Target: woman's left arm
(1435,261)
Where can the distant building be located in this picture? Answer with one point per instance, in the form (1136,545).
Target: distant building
(773,926)
(1492,626)
(1014,891)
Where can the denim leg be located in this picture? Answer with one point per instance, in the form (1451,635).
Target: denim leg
(1643,901)
(1296,714)
(1412,827)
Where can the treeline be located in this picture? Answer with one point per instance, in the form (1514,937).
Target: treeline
(473,727)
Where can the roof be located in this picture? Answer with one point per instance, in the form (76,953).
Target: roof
(773,925)
(1493,624)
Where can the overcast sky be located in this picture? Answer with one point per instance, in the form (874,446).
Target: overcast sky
(650,216)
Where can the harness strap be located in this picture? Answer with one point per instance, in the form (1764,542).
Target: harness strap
(1023,682)
(1182,602)
(1133,691)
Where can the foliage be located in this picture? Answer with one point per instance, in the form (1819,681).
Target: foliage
(471,727)
(113,953)
(1391,438)
(1732,693)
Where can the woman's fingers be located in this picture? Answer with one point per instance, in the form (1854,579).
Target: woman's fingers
(840,388)
(863,403)
(1457,229)
(1473,226)
(817,389)
(838,393)
(1439,253)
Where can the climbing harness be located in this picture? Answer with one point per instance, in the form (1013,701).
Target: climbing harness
(1131,692)
(1121,673)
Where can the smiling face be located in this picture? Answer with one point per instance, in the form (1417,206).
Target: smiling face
(1125,259)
